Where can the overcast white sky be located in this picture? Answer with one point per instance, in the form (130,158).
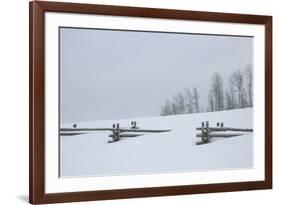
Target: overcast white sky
(107,74)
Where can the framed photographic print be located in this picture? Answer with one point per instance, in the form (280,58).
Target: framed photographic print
(138,102)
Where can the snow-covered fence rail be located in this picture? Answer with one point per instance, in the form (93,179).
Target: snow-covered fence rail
(118,132)
(226,129)
(222,135)
(208,132)
(84,129)
(110,129)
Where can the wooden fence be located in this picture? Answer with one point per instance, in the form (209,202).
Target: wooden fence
(207,132)
(117,131)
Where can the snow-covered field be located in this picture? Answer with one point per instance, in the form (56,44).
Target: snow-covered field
(176,151)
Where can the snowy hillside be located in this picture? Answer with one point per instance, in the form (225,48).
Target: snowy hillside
(175,151)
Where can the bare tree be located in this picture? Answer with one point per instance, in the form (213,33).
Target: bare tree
(166,109)
(195,100)
(231,94)
(188,101)
(232,88)
(217,92)
(174,109)
(211,107)
(249,78)
(229,100)
(238,83)
(179,102)
(244,101)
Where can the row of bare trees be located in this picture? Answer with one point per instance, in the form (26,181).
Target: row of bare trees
(183,102)
(236,93)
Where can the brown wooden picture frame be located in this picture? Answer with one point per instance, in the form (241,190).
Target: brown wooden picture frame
(37,10)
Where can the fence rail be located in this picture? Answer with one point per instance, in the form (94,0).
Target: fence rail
(225,129)
(222,135)
(110,129)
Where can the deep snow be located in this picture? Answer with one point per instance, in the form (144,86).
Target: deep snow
(175,151)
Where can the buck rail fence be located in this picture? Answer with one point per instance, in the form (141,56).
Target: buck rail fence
(208,132)
(117,131)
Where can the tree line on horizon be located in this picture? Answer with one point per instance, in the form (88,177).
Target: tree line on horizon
(236,93)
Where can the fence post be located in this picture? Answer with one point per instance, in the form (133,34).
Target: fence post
(113,132)
(118,132)
(207,131)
